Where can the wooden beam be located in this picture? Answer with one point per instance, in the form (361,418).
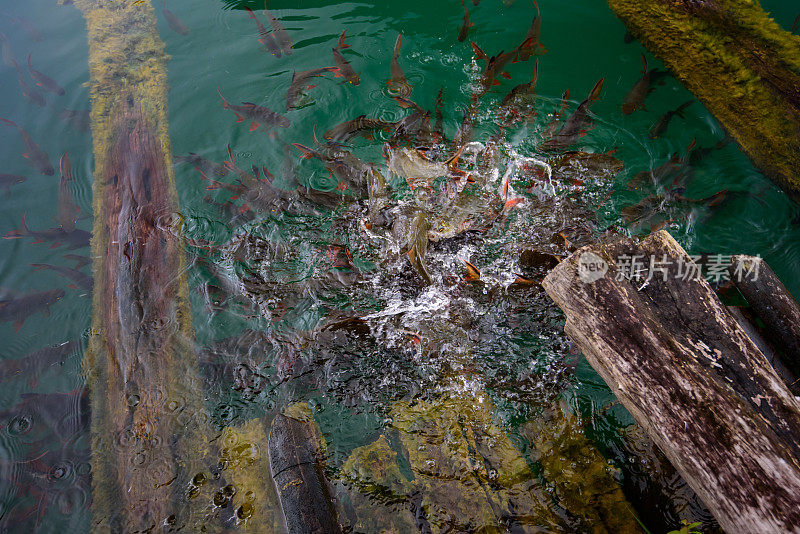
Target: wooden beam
(688,373)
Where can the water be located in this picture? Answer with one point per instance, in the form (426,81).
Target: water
(292,333)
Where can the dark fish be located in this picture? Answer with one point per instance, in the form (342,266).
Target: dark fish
(465,25)
(17,308)
(351,172)
(398,84)
(359,125)
(76,118)
(343,67)
(662,123)
(439,126)
(34,154)
(258,114)
(35,363)
(517,105)
(550,131)
(495,65)
(173,21)
(796,24)
(259,193)
(74,239)
(43,81)
(5,48)
(283,38)
(81,280)
(207,168)
(67,210)
(266,39)
(676,170)
(573,126)
(31,93)
(635,98)
(299,86)
(7,180)
(531,44)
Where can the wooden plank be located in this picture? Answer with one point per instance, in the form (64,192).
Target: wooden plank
(772,303)
(688,373)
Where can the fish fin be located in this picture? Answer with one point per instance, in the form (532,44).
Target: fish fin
(12,123)
(505,75)
(511,203)
(341,45)
(397,45)
(254,126)
(495,82)
(214,185)
(239,118)
(18,325)
(231,159)
(692,145)
(480,54)
(307,152)
(595,94)
(26,155)
(55,245)
(72,286)
(473,273)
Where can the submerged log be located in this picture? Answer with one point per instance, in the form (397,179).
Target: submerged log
(688,373)
(773,304)
(148,418)
(299,480)
(739,63)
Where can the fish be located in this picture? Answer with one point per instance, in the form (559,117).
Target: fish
(473,273)
(360,125)
(74,239)
(438,128)
(298,85)
(18,307)
(67,210)
(265,37)
(518,98)
(79,119)
(283,39)
(173,21)
(35,155)
(208,169)
(415,167)
(8,180)
(676,169)
(31,93)
(43,81)
(37,362)
(660,127)
(796,24)
(81,280)
(5,51)
(634,100)
(410,231)
(531,45)
(344,69)
(347,168)
(257,114)
(465,25)
(397,83)
(573,126)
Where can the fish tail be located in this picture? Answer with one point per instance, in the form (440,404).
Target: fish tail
(595,94)
(473,273)
(691,146)
(341,45)
(250,13)
(397,46)
(40,266)
(307,152)
(225,103)
(12,123)
(679,111)
(231,160)
(480,54)
(16,234)
(644,65)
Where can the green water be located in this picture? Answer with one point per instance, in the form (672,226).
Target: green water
(521,362)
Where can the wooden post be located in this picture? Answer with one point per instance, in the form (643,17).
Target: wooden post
(148,418)
(740,63)
(688,373)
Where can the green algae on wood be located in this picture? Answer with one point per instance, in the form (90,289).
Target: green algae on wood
(148,419)
(740,64)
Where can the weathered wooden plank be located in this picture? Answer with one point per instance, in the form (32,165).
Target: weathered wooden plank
(688,373)
(772,303)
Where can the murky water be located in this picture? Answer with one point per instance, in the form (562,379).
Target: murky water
(313,296)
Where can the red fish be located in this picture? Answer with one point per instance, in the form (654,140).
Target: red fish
(531,44)
(344,69)
(173,21)
(465,24)
(74,239)
(31,93)
(282,37)
(35,363)
(79,279)
(298,85)
(398,84)
(573,126)
(18,307)
(7,180)
(43,81)
(37,157)
(257,114)
(266,39)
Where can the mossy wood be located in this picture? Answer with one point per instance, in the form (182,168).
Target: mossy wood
(148,419)
(688,373)
(740,63)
